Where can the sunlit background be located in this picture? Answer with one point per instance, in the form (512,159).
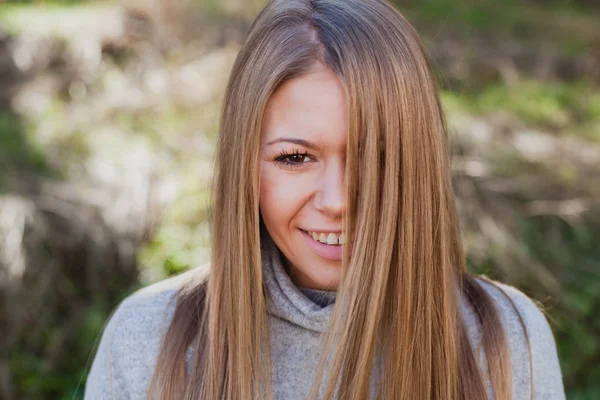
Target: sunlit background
(108,120)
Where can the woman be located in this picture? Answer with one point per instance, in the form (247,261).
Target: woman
(337,267)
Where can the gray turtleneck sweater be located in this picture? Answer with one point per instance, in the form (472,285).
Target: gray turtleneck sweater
(129,345)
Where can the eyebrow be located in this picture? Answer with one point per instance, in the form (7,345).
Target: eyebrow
(301,142)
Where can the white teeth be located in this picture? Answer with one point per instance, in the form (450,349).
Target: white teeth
(332,238)
(328,238)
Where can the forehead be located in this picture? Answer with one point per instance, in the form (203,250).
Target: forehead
(312,107)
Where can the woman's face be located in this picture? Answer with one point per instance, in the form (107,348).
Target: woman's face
(302,162)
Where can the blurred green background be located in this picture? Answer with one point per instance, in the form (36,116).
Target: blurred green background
(108,118)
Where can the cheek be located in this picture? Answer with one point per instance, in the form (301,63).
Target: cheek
(281,197)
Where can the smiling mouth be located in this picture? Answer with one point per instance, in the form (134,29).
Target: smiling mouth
(330,238)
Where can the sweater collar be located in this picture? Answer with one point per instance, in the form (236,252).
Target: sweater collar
(285,300)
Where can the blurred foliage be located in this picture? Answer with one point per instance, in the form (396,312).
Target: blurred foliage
(572,251)
(15,152)
(64,381)
(564,108)
(508,18)
(48,2)
(561,108)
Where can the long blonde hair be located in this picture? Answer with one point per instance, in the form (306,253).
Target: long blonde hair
(404,273)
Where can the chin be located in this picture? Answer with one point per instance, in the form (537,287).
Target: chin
(327,277)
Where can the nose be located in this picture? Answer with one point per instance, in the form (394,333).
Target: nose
(330,197)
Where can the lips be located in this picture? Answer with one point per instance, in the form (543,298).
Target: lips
(322,248)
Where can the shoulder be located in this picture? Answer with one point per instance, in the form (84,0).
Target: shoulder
(517,309)
(130,341)
(528,332)
(148,302)
(142,316)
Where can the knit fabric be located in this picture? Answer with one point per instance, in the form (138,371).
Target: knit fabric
(322,298)
(129,345)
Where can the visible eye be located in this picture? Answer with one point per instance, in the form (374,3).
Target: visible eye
(295,159)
